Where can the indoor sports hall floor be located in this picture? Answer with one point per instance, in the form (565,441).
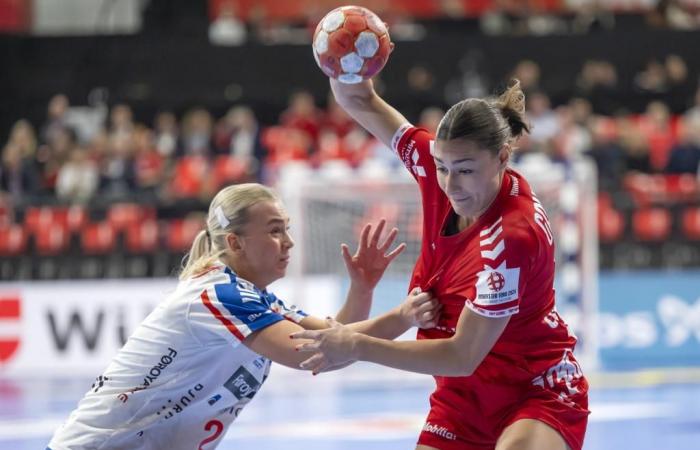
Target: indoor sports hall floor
(367,407)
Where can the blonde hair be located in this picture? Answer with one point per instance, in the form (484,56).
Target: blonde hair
(228,213)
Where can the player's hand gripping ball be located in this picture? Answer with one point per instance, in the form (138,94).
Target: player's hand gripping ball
(351,44)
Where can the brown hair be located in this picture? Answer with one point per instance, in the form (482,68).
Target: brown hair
(489,123)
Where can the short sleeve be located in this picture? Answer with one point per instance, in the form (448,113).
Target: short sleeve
(413,146)
(291,312)
(506,258)
(233,311)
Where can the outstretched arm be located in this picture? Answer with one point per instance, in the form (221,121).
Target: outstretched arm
(363,104)
(458,355)
(365,269)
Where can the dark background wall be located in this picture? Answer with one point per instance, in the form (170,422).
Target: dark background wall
(176,69)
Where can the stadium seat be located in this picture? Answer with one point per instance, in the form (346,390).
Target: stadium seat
(142,237)
(13,240)
(611,224)
(181,233)
(121,216)
(651,224)
(98,238)
(690,223)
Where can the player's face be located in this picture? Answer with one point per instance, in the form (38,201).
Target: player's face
(265,243)
(468,175)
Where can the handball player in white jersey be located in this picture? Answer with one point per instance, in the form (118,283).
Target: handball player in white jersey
(194,363)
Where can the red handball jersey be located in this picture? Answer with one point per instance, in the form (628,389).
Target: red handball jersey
(502,265)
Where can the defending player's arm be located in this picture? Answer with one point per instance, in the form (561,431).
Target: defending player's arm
(458,355)
(364,105)
(480,324)
(365,269)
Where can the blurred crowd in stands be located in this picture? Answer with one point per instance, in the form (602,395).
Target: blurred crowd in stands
(111,176)
(168,158)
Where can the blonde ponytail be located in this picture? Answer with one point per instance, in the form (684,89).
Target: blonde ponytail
(228,213)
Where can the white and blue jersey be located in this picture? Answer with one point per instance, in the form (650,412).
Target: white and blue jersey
(183,376)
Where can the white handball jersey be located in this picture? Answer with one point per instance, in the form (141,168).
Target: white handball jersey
(184,375)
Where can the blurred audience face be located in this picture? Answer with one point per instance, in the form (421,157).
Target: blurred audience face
(58,106)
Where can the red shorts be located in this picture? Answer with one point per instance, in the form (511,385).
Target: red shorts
(473,413)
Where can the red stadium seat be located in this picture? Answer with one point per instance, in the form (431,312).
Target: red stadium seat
(122,215)
(98,238)
(652,224)
(51,239)
(690,223)
(190,171)
(38,218)
(181,233)
(228,170)
(142,237)
(13,240)
(611,224)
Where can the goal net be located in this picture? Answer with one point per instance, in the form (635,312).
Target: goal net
(328,208)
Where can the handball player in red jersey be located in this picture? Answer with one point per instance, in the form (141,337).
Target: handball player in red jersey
(502,357)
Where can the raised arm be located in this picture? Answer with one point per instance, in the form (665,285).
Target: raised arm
(364,105)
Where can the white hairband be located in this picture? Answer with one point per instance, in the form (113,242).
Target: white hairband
(223,221)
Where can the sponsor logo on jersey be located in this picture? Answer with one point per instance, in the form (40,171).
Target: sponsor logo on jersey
(242,384)
(163,363)
(496,281)
(441,431)
(515,189)
(418,170)
(497,286)
(10,315)
(99,383)
(562,378)
(171,408)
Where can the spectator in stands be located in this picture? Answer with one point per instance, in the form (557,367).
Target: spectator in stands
(149,163)
(238,134)
(51,157)
(598,82)
(336,119)
(121,121)
(18,176)
(23,135)
(572,139)
(167,134)
(685,156)
(528,72)
(653,78)
(545,123)
(227,29)
(634,144)
(57,110)
(197,127)
(657,128)
(608,154)
(302,114)
(673,14)
(117,169)
(78,178)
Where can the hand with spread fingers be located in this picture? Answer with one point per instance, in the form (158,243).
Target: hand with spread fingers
(332,348)
(371,258)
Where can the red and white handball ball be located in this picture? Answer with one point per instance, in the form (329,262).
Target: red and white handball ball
(351,44)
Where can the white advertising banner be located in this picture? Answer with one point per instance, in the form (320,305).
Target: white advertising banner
(76,327)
